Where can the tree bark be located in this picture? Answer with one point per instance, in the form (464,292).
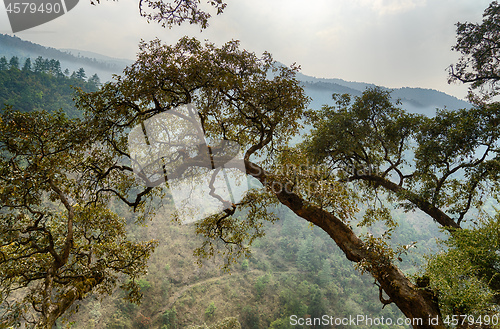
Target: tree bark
(54,310)
(416,303)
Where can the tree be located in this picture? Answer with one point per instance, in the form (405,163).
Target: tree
(27,64)
(54,68)
(210,311)
(226,84)
(14,63)
(478,45)
(59,240)
(471,285)
(95,81)
(3,63)
(40,64)
(358,150)
(80,74)
(176,12)
(258,105)
(317,307)
(452,173)
(307,259)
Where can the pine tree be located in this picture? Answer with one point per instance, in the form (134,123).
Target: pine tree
(14,63)
(80,74)
(27,64)
(3,63)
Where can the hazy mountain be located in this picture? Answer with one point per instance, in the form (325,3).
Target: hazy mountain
(72,60)
(360,86)
(417,100)
(120,62)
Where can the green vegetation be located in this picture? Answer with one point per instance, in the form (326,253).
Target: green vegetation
(210,311)
(59,239)
(41,85)
(13,46)
(181,296)
(470,284)
(68,192)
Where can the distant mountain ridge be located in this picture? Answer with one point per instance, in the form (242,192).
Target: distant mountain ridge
(103,66)
(121,62)
(349,84)
(415,100)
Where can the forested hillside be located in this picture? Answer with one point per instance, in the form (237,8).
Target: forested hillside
(41,84)
(104,66)
(294,270)
(352,214)
(415,100)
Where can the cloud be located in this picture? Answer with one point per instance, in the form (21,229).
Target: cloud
(388,42)
(392,7)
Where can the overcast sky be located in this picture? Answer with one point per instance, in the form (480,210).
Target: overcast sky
(393,43)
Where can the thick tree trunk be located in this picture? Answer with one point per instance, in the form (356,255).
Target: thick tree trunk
(416,303)
(55,309)
(51,310)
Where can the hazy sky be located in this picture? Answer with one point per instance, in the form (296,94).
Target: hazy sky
(394,43)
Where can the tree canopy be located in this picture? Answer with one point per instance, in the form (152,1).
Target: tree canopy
(478,45)
(445,166)
(175,12)
(357,150)
(362,155)
(239,97)
(258,105)
(59,239)
(42,86)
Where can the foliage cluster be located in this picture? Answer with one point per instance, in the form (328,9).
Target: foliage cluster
(469,284)
(57,244)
